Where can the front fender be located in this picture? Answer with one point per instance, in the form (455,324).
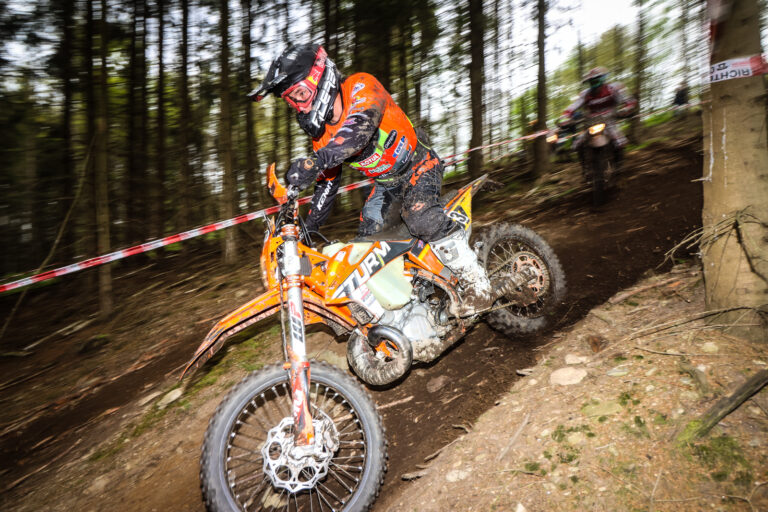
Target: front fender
(263,306)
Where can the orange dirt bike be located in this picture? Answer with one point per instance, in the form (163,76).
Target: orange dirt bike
(301,437)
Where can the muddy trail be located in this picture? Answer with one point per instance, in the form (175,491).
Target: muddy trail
(602,250)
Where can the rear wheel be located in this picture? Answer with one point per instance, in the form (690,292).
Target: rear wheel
(249,461)
(508,249)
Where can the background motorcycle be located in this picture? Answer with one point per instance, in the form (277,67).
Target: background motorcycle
(561,139)
(599,156)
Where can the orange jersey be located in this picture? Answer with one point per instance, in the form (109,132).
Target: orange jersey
(385,147)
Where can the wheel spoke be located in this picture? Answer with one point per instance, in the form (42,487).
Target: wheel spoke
(259,485)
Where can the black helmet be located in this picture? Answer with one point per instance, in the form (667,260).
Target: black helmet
(304,65)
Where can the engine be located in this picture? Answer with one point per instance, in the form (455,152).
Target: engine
(424,323)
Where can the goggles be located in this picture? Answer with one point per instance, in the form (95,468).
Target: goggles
(596,82)
(310,83)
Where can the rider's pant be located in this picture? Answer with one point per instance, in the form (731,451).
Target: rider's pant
(419,190)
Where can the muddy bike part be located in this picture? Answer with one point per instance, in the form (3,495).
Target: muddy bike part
(507,250)
(251,462)
(380,358)
(290,268)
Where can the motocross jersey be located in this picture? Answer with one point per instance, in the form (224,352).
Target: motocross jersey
(608,97)
(373,135)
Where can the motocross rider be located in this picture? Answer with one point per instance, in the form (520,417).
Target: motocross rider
(602,99)
(353,120)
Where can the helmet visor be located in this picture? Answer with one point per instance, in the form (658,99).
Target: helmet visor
(273,79)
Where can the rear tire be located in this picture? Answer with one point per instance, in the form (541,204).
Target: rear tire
(232,471)
(505,245)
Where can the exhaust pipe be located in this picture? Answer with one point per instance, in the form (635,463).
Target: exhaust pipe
(382,357)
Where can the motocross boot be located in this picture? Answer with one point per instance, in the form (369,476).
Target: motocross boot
(454,252)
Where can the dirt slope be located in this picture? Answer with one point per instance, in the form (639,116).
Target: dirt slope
(127,454)
(606,437)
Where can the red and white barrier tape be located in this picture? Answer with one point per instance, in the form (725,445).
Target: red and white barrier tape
(524,137)
(216,226)
(156,244)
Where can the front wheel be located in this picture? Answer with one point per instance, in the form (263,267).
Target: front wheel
(249,460)
(599,163)
(508,249)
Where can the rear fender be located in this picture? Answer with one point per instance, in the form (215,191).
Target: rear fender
(263,306)
(460,207)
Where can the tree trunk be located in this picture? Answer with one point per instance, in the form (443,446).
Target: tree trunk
(142,177)
(541,149)
(275,130)
(251,164)
(418,76)
(634,124)
(160,190)
(405,43)
(289,121)
(580,57)
(735,183)
(134,186)
(385,63)
(330,24)
(185,123)
(496,117)
(70,178)
(618,50)
(476,83)
(327,25)
(89,245)
(102,171)
(229,191)
(684,15)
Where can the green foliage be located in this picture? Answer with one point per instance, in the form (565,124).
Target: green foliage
(659,419)
(657,119)
(637,428)
(532,467)
(567,454)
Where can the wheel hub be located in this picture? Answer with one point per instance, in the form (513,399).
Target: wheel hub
(537,278)
(298,468)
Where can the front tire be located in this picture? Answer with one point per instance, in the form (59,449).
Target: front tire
(504,248)
(599,172)
(232,469)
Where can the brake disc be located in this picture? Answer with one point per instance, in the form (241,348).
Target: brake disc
(529,262)
(298,468)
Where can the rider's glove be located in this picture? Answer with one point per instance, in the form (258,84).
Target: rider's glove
(302,172)
(625,111)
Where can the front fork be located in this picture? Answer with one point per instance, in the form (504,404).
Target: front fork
(304,432)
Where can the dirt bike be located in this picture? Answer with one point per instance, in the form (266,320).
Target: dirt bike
(600,157)
(560,141)
(306,436)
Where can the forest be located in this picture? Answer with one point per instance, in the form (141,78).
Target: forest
(126,122)
(618,363)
